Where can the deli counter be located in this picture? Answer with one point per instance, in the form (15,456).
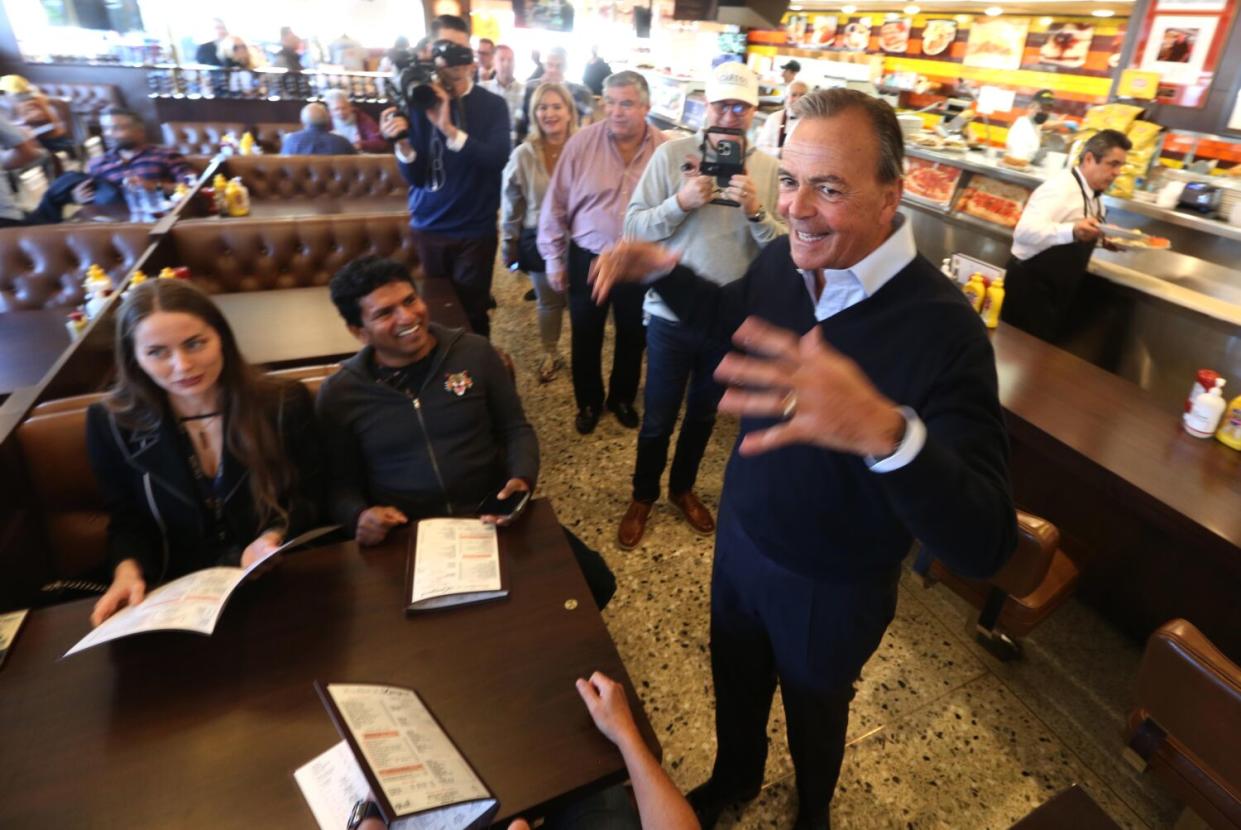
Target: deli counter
(1151,316)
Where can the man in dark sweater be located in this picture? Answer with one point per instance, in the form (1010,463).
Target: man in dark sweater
(424,420)
(453,158)
(881,425)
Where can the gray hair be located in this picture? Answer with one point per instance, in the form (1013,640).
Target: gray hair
(829,103)
(316,115)
(558,52)
(335,96)
(1104,142)
(627,77)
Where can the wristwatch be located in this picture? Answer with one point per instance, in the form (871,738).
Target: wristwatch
(758,215)
(362,810)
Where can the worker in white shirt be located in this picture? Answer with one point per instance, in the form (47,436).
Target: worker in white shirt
(779,124)
(1056,236)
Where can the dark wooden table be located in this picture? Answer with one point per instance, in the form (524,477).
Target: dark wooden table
(30,342)
(1152,514)
(179,730)
(300,326)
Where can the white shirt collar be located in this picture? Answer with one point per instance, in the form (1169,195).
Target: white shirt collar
(874,270)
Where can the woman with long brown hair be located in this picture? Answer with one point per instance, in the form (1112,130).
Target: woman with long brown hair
(553,119)
(201,459)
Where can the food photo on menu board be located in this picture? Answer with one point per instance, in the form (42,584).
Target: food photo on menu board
(807,31)
(997,43)
(993,201)
(937,36)
(855,37)
(930,182)
(1067,45)
(894,36)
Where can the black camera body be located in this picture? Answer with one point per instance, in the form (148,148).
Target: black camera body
(724,159)
(410,88)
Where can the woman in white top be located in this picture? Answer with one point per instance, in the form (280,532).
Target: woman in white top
(553,118)
(779,124)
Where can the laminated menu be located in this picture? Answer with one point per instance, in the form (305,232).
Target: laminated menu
(9,625)
(396,754)
(193,602)
(454,562)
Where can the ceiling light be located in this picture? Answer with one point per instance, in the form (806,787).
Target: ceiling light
(993,11)
(912,10)
(849,9)
(1103,12)
(1046,21)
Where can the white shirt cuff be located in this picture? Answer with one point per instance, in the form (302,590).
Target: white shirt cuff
(455,144)
(404,159)
(1064,233)
(907,450)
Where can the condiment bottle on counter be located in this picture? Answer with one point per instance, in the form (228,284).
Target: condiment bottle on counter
(138,277)
(1203,381)
(76,322)
(237,198)
(976,291)
(992,304)
(97,301)
(1208,410)
(167,274)
(246,145)
(1229,432)
(218,184)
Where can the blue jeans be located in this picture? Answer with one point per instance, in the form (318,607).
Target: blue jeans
(679,366)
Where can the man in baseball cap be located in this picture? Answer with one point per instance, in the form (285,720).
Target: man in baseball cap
(789,71)
(678,206)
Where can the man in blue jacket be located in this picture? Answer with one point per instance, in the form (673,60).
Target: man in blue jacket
(870,418)
(316,137)
(453,155)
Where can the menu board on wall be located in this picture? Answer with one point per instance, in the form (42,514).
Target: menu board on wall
(1067,45)
(997,43)
(1184,48)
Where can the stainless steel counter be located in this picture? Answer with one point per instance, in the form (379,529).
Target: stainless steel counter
(1150,316)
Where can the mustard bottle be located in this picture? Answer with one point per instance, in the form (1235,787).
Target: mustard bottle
(237,198)
(992,304)
(218,184)
(167,274)
(976,291)
(246,145)
(137,278)
(1229,432)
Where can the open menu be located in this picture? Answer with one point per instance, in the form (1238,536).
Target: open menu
(397,754)
(193,602)
(454,562)
(9,625)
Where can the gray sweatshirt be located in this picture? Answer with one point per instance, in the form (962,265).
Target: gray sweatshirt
(716,241)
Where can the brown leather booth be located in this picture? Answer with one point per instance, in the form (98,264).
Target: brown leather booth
(227,256)
(306,177)
(204,137)
(44,266)
(1186,722)
(84,97)
(52,441)
(1032,584)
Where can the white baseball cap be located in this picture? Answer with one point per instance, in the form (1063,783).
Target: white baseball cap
(732,81)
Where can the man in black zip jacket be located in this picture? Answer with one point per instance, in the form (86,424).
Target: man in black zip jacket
(870,418)
(424,420)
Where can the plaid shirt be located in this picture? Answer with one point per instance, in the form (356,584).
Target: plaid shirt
(151,163)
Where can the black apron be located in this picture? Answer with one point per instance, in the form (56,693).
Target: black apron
(1039,291)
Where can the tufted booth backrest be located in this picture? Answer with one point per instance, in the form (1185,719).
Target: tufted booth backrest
(203,137)
(261,255)
(304,177)
(44,266)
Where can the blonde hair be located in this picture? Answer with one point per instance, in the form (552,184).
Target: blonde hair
(535,135)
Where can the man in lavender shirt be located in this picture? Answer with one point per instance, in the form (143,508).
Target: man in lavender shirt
(583,213)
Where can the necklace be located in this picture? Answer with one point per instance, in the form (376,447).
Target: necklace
(201,417)
(199,433)
(551,155)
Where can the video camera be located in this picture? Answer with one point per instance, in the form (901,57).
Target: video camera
(410,88)
(723,158)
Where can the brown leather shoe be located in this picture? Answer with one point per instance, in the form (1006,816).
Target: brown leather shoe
(633,525)
(694,511)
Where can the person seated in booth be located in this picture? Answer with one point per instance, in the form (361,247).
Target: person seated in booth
(358,128)
(425,420)
(128,162)
(27,107)
(316,138)
(201,459)
(17,150)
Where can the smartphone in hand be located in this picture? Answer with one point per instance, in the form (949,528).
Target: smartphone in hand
(508,509)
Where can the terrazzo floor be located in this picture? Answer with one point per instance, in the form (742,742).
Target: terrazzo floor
(941,734)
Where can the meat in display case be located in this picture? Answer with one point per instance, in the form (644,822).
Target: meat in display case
(992,200)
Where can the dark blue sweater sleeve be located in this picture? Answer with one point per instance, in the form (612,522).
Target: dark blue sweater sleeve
(955,496)
(488,144)
(713,309)
(415,172)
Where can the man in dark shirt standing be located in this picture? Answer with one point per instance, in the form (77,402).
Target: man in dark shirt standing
(453,155)
(870,418)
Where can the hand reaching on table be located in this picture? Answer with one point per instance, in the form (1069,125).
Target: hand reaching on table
(374,523)
(127,588)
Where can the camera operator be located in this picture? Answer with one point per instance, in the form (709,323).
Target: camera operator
(719,223)
(452,142)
